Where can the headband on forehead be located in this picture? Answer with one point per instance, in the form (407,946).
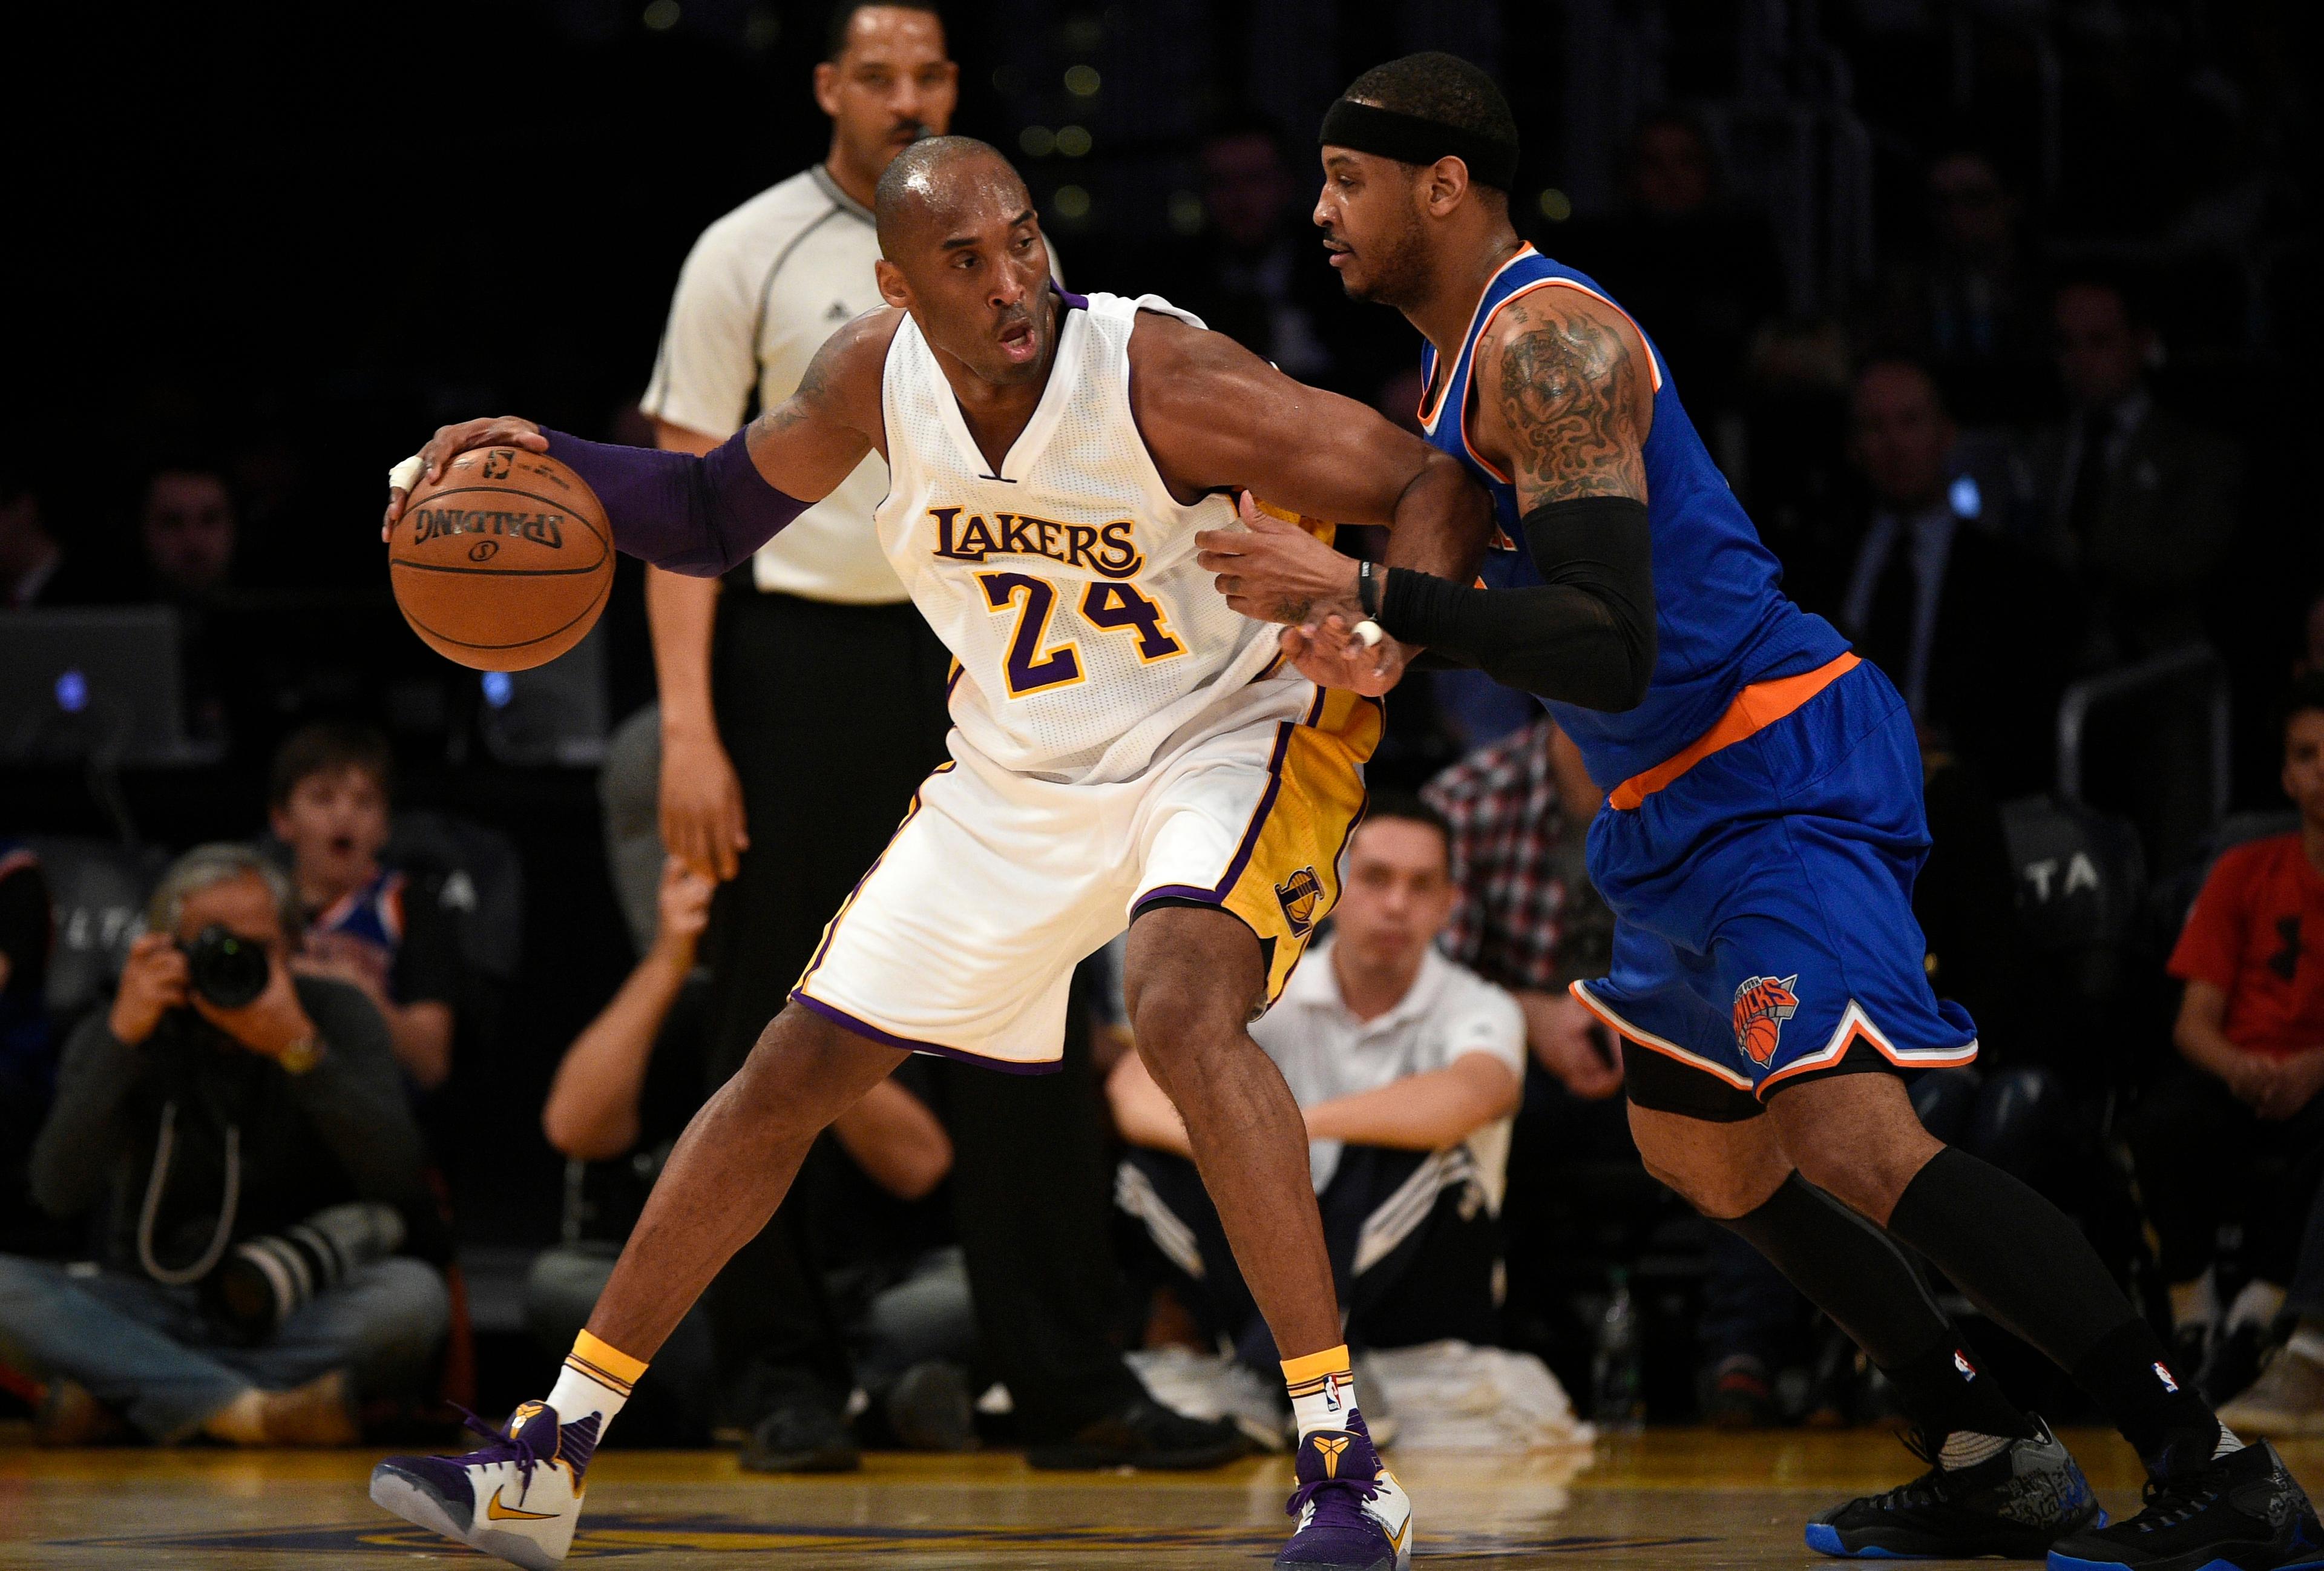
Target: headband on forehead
(1410,139)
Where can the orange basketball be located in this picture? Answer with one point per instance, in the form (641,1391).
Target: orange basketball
(505,562)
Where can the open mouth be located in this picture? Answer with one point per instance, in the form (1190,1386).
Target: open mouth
(1019,341)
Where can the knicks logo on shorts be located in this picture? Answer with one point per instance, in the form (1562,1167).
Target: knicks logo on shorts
(1299,895)
(1762,1005)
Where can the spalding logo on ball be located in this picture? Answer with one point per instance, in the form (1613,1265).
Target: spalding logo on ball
(505,562)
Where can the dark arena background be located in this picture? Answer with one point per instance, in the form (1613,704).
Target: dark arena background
(2024,293)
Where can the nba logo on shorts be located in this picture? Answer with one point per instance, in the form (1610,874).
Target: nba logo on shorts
(1300,894)
(1762,1005)
(1961,1362)
(2163,1375)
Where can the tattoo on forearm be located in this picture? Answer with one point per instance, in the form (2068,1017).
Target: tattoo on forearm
(1568,387)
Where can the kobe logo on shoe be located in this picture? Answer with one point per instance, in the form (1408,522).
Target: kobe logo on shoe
(1331,1451)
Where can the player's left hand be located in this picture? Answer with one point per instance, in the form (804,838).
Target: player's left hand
(506,430)
(1274,571)
(1329,653)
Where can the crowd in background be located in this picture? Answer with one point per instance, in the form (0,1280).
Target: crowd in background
(2042,459)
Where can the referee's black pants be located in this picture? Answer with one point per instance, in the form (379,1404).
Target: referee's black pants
(833,715)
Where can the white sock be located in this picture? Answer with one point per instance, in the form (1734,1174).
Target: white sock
(2228,1444)
(596,1379)
(1323,1390)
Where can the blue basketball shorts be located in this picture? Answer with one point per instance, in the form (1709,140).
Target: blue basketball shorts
(1763,901)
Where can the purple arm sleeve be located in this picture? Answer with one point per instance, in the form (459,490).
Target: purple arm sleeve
(696,516)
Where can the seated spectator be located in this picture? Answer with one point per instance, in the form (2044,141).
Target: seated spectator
(1967,301)
(879,1299)
(2137,504)
(1702,271)
(28,1062)
(1931,585)
(370,926)
(2235,1138)
(1406,1068)
(2287,1399)
(1249,273)
(29,556)
(187,528)
(219,1103)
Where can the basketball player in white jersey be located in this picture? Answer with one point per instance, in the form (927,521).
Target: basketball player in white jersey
(1126,750)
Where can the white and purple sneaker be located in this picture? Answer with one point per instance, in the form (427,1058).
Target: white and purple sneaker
(519,1498)
(1352,1514)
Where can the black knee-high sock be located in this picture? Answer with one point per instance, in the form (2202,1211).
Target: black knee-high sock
(1856,1276)
(2020,1260)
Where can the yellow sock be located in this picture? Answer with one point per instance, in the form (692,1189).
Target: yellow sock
(1323,1390)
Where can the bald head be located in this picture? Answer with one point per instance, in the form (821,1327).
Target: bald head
(941,182)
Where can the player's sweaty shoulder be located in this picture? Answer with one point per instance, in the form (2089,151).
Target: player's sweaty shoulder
(1565,396)
(842,383)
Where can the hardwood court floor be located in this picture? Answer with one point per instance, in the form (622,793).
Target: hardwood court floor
(1670,1499)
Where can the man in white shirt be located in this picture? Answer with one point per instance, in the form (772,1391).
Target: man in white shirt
(802,703)
(1408,1069)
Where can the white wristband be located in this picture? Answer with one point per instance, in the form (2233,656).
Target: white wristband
(405,476)
(1371,632)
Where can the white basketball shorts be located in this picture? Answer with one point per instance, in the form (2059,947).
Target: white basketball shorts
(962,938)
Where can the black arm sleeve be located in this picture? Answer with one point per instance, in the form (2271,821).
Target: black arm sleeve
(1586,636)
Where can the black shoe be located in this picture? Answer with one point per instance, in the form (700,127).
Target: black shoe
(801,1436)
(1739,1393)
(2243,1511)
(928,1409)
(1145,1434)
(2014,1504)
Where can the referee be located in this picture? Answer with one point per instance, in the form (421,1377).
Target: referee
(802,703)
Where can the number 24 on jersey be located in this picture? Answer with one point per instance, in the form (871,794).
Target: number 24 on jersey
(1109,606)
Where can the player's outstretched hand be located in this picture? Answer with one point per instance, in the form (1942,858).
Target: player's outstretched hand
(1273,571)
(1329,653)
(502,431)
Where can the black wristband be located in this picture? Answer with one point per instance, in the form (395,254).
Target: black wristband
(1367,589)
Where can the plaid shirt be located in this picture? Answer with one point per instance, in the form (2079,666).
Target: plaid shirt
(1527,918)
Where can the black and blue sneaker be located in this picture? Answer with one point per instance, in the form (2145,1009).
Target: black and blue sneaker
(2014,1504)
(2243,1511)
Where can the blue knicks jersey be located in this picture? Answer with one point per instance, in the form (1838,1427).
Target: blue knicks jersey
(1720,620)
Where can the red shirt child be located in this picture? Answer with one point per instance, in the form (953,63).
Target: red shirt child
(2253,952)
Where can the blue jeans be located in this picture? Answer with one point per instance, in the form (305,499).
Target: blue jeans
(147,1351)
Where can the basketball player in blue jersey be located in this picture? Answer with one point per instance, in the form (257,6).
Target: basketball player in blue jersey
(1762,831)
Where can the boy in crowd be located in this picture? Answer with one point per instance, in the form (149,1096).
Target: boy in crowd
(2237,1132)
(1408,1070)
(373,926)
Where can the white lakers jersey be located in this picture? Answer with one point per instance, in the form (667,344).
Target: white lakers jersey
(1065,584)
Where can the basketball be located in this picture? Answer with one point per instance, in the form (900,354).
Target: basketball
(502,563)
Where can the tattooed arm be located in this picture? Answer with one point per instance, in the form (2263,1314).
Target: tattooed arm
(1563,400)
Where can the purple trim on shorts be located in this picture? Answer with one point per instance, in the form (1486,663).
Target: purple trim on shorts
(1176,892)
(1243,853)
(1078,303)
(863,1028)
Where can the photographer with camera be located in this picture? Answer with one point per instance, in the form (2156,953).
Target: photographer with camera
(249,1132)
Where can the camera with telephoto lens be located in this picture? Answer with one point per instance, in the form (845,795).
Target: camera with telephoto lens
(224,967)
(265,1279)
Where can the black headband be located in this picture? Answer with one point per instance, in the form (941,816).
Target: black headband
(1410,139)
